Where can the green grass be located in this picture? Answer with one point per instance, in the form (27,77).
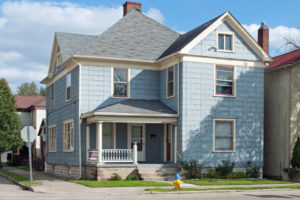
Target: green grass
(23,167)
(123,183)
(225,188)
(18,178)
(235,182)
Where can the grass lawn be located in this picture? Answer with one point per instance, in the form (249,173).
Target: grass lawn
(235,182)
(225,188)
(23,167)
(18,178)
(122,183)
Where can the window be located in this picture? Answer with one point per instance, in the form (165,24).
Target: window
(52,96)
(68,136)
(120,77)
(170,82)
(68,87)
(52,138)
(224,81)
(224,134)
(58,61)
(107,138)
(225,42)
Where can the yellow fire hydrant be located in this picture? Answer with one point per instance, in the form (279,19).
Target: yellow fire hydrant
(177,182)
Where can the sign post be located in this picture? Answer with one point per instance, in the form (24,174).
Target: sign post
(28,134)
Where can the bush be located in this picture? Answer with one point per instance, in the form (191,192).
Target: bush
(252,170)
(225,168)
(115,177)
(193,169)
(237,175)
(295,162)
(132,177)
(211,173)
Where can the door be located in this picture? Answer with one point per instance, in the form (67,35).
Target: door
(168,143)
(137,134)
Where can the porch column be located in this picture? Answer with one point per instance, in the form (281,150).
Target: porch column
(99,143)
(87,141)
(175,143)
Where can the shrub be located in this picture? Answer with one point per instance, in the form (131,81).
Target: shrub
(211,173)
(295,162)
(252,170)
(132,177)
(193,169)
(225,168)
(115,177)
(237,175)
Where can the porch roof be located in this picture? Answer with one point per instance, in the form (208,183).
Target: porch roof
(133,108)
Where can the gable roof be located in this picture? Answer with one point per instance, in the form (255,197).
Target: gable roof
(70,43)
(186,38)
(284,59)
(26,102)
(135,36)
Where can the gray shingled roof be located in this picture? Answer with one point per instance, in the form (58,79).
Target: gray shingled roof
(134,106)
(70,43)
(135,36)
(186,38)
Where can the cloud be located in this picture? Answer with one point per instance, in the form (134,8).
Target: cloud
(277,37)
(27,30)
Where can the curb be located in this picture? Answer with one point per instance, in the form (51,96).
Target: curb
(24,187)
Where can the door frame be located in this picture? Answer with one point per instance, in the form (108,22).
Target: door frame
(144,138)
(165,142)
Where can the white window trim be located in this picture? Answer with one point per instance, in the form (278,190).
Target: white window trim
(167,80)
(50,127)
(232,41)
(214,134)
(113,85)
(66,122)
(52,106)
(234,81)
(67,100)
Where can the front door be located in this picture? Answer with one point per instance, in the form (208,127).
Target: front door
(137,134)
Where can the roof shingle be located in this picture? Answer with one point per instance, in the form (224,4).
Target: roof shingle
(25,102)
(284,59)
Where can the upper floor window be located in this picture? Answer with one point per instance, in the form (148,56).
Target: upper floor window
(224,81)
(68,135)
(58,60)
(120,85)
(170,81)
(52,138)
(225,42)
(52,96)
(224,134)
(68,87)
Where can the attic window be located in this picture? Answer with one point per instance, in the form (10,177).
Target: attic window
(225,42)
(58,60)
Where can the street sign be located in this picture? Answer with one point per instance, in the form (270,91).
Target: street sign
(32,133)
(28,134)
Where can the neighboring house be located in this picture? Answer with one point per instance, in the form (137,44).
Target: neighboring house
(39,150)
(31,111)
(282,103)
(141,96)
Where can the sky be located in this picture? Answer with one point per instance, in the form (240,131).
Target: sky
(27,27)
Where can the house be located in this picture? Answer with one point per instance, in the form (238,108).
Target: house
(39,147)
(142,97)
(282,86)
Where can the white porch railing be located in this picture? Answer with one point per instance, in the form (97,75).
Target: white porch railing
(115,155)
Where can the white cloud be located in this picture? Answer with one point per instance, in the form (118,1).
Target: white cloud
(277,35)
(27,30)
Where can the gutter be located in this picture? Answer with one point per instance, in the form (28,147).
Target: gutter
(90,114)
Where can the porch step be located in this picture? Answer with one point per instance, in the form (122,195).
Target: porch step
(158,174)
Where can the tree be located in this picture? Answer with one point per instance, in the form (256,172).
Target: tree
(10,136)
(291,42)
(296,155)
(30,89)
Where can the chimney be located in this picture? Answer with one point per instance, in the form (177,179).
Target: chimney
(263,37)
(128,5)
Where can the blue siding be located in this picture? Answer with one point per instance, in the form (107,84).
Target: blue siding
(96,86)
(64,111)
(170,102)
(208,46)
(198,107)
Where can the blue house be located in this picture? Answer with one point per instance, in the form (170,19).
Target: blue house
(141,97)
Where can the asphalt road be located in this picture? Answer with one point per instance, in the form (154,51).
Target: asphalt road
(9,191)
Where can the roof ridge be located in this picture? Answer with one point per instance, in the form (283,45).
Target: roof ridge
(74,33)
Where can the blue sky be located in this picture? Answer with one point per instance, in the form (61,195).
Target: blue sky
(28,26)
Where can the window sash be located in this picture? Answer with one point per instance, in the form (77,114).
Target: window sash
(224,135)
(52,139)
(224,80)
(170,81)
(225,42)
(52,96)
(68,136)
(120,82)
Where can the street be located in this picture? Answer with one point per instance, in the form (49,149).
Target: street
(73,191)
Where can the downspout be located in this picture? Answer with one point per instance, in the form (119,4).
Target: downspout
(79,121)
